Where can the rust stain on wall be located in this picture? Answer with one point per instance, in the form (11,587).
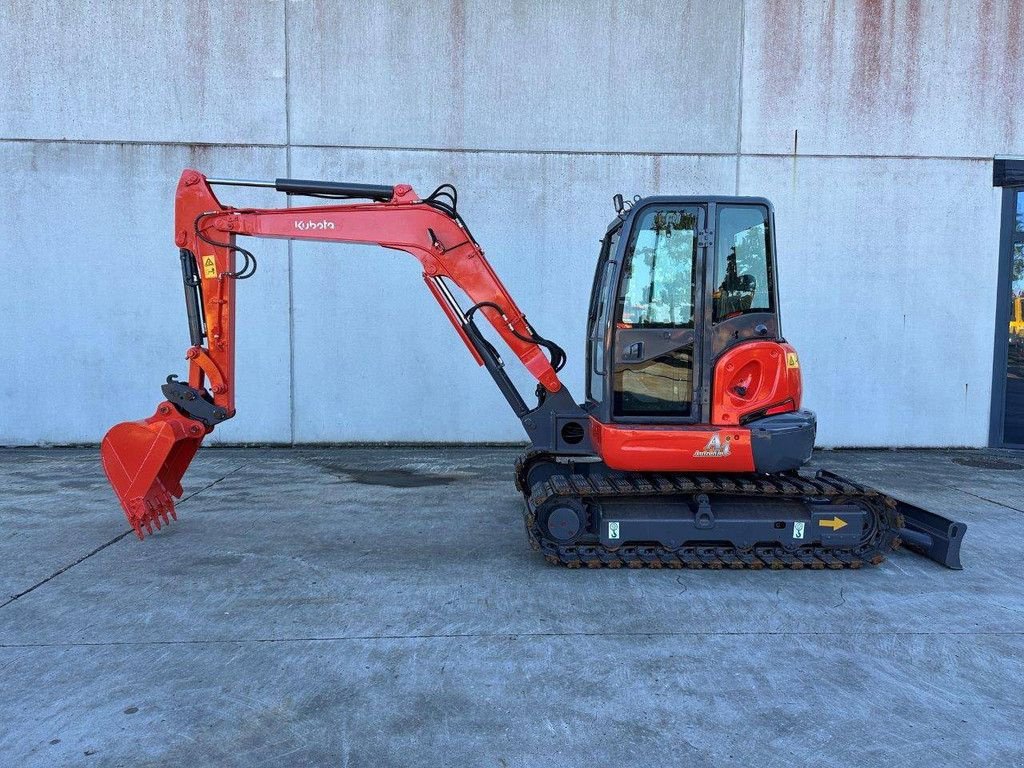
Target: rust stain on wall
(912,32)
(999,70)
(828,40)
(783,47)
(868,61)
(1014,76)
(894,56)
(1015,45)
(984,29)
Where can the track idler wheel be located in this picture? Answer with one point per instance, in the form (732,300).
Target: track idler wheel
(564,520)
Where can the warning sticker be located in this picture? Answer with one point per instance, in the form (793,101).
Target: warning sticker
(613,530)
(209,266)
(798,530)
(791,361)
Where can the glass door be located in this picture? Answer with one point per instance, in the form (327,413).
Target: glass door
(654,344)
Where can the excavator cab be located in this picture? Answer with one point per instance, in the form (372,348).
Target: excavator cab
(686,365)
(647,315)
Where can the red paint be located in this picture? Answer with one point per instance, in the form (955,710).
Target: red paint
(145,460)
(769,374)
(752,378)
(403,224)
(638,448)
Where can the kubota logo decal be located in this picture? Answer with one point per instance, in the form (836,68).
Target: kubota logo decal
(310,224)
(715,449)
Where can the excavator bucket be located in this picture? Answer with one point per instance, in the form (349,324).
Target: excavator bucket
(145,461)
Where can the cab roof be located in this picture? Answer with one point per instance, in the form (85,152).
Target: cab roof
(689,200)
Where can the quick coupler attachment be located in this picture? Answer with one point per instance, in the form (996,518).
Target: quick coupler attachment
(193,402)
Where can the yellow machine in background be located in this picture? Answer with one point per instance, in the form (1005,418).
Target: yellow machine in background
(1017,317)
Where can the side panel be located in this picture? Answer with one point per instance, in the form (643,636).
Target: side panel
(767,445)
(673,449)
(754,379)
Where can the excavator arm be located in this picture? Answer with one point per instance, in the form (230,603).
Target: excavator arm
(145,460)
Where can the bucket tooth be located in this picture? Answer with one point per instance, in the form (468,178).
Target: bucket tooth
(135,512)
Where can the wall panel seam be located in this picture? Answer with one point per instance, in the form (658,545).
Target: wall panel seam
(739,95)
(786,154)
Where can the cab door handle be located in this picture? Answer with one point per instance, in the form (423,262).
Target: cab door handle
(634,351)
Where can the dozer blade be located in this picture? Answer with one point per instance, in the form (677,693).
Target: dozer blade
(145,461)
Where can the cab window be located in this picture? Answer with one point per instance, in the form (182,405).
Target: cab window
(742,270)
(657,289)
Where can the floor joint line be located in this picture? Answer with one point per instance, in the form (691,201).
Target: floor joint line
(101,547)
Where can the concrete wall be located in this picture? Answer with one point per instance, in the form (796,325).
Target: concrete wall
(870,124)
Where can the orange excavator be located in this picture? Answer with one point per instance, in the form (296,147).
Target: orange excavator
(687,448)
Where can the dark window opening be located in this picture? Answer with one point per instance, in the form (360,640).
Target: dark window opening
(598,320)
(1013,402)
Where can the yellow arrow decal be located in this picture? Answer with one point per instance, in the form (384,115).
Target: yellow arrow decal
(835,523)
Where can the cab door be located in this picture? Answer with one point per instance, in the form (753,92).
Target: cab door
(656,319)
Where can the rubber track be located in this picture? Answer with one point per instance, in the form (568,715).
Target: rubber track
(880,540)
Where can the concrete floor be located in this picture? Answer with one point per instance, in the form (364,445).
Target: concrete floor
(372,607)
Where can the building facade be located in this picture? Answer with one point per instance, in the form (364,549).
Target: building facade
(871,125)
